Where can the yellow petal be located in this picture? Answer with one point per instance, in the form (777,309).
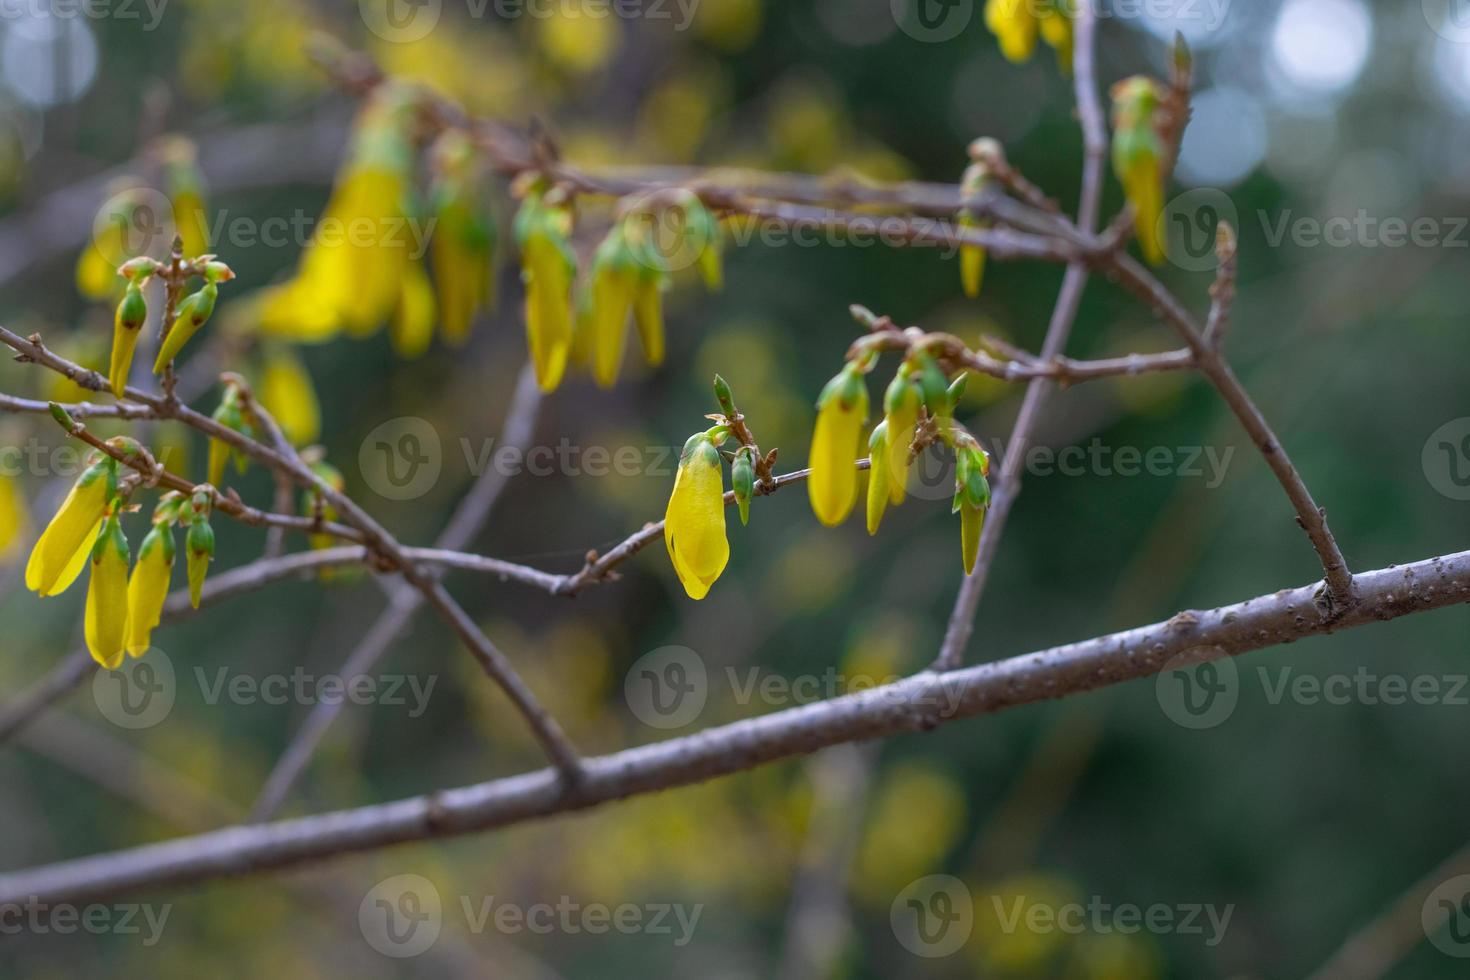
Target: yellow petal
(413,325)
(972,522)
(694,524)
(54,562)
(12,515)
(147,590)
(106,617)
(548,311)
(1141,185)
(832,485)
(287,391)
(648,312)
(972,269)
(612,296)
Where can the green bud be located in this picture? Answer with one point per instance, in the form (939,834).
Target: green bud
(200,552)
(934,385)
(62,417)
(742,476)
(724,397)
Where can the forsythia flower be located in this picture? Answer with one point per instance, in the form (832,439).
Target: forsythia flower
(106,618)
(96,271)
(61,553)
(1016,24)
(842,410)
(878,492)
(12,515)
(984,155)
(193,312)
(464,237)
(972,494)
(148,586)
(199,552)
(186,194)
(547,266)
(127,324)
(413,321)
(615,275)
(287,392)
(694,524)
(901,413)
(232,415)
(1138,158)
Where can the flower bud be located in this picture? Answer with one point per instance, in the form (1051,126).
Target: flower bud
(199,552)
(148,587)
(742,478)
(127,324)
(842,410)
(694,523)
(194,310)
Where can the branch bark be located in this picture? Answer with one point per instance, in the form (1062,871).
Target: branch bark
(918,703)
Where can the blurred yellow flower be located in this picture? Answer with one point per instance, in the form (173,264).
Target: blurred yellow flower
(842,410)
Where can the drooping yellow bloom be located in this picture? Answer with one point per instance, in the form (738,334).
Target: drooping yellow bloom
(547,268)
(12,515)
(614,282)
(193,312)
(1138,158)
(877,481)
(186,194)
(106,619)
(464,236)
(232,415)
(62,550)
(127,324)
(148,587)
(199,552)
(972,261)
(1014,25)
(648,314)
(842,410)
(287,392)
(901,412)
(413,322)
(694,524)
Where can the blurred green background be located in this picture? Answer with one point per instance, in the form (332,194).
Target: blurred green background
(1302,817)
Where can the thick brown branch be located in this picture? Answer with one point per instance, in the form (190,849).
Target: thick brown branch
(916,704)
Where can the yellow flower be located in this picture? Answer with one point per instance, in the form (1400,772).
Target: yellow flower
(1138,158)
(1056,30)
(286,390)
(547,267)
(106,618)
(972,261)
(901,406)
(648,314)
(199,552)
(1014,25)
(127,324)
(413,323)
(877,481)
(464,237)
(61,553)
(614,281)
(842,410)
(694,524)
(193,312)
(12,515)
(148,587)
